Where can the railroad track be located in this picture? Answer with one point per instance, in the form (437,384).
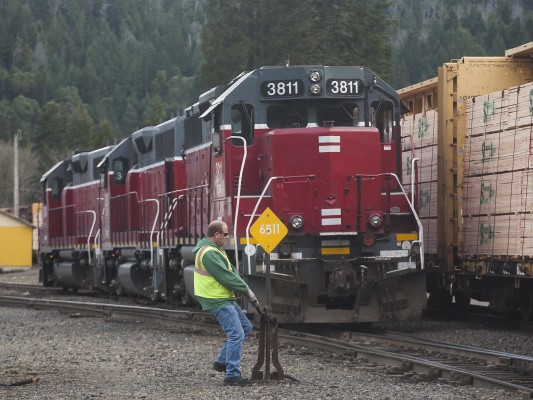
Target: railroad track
(28,287)
(408,358)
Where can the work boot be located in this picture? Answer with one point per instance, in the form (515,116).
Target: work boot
(219,367)
(236,381)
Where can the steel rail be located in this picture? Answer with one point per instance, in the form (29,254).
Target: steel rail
(27,287)
(190,319)
(417,364)
(495,356)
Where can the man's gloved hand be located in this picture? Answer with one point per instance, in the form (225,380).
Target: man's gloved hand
(253,299)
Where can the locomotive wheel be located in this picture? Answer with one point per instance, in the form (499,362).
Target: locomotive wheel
(181,292)
(186,298)
(526,307)
(119,291)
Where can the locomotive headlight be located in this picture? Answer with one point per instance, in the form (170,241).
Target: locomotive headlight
(315,89)
(314,75)
(375,221)
(297,222)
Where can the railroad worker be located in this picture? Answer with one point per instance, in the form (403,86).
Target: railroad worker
(215,282)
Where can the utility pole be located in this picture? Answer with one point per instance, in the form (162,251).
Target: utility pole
(18,136)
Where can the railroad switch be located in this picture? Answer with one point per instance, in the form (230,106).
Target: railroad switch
(268,349)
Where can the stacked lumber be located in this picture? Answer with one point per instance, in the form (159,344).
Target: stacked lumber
(419,140)
(497,219)
(498,173)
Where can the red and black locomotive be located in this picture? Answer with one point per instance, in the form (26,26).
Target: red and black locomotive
(318,145)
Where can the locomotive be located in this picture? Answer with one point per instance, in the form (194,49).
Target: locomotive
(318,146)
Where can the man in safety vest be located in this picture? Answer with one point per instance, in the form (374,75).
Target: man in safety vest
(215,284)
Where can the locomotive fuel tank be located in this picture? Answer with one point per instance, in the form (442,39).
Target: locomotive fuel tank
(135,278)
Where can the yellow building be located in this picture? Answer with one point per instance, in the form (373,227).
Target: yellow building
(16,239)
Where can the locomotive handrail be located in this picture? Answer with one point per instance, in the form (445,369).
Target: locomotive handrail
(168,214)
(172,207)
(62,207)
(153,229)
(257,205)
(97,248)
(415,214)
(189,189)
(238,197)
(126,194)
(413,180)
(90,232)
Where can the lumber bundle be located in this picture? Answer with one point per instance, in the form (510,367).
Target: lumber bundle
(497,211)
(419,140)
(497,174)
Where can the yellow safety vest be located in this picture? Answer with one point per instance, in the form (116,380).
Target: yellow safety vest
(205,285)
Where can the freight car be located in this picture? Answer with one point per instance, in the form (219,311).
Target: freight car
(317,145)
(471,131)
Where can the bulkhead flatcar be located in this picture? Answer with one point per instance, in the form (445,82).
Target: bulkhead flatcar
(474,180)
(317,146)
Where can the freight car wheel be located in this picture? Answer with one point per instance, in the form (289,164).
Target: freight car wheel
(526,307)
(439,298)
(462,301)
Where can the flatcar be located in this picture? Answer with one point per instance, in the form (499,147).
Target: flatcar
(317,146)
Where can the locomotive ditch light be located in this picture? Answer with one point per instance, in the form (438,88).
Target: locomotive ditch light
(375,221)
(415,248)
(297,222)
(315,89)
(314,75)
(369,240)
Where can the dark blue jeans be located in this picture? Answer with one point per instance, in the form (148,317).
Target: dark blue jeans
(237,328)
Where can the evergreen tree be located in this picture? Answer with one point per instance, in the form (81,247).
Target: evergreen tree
(242,35)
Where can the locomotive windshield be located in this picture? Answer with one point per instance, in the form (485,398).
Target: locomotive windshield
(382,116)
(287,115)
(242,123)
(338,114)
(324,113)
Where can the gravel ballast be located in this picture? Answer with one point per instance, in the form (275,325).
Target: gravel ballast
(77,357)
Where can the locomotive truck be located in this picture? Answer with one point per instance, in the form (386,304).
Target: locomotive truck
(318,146)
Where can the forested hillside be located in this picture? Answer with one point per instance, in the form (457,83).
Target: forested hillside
(242,35)
(431,32)
(75,74)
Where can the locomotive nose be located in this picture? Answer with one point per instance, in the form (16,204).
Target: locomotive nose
(337,154)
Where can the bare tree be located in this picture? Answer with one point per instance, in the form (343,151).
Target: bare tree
(29,175)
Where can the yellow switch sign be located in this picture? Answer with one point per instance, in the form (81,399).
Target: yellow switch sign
(268,230)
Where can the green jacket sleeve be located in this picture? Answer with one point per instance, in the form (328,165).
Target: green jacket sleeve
(216,265)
